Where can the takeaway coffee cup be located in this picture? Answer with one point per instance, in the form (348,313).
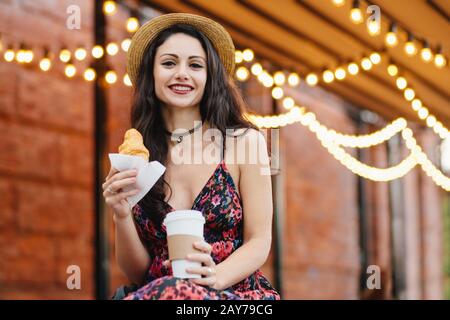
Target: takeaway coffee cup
(183,227)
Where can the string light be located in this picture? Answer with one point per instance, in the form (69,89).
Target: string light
(391,39)
(277,93)
(45,63)
(97,52)
(109,8)
(293,79)
(366,64)
(423,113)
(375,58)
(312,79)
(127,80)
(392,69)
(111,77)
(439,59)
(112,49)
(278,78)
(410,47)
(409,94)
(242,73)
(132,24)
(80,54)
(328,76)
(125,44)
(373,27)
(64,55)
(20,55)
(70,70)
(426,53)
(9,55)
(355,13)
(416,104)
(89,74)
(288,103)
(353,68)
(339,73)
(248,55)
(401,83)
(338,3)
(256,69)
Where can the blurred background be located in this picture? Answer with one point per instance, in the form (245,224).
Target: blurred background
(353,97)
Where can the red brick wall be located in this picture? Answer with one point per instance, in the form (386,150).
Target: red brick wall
(46,166)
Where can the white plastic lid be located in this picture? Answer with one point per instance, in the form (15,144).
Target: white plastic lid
(184,214)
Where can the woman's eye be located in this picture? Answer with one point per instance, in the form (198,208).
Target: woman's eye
(168,63)
(196,65)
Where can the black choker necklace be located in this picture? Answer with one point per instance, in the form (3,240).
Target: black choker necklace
(179,136)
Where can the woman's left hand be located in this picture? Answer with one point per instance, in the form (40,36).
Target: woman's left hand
(208,268)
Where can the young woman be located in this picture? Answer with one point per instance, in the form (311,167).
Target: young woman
(181,66)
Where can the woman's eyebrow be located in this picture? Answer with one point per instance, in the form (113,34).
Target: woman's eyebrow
(176,56)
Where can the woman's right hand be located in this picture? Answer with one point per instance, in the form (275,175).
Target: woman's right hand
(113,191)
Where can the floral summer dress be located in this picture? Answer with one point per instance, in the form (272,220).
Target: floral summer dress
(222,208)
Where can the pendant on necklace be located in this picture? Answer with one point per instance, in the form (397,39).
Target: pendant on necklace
(180,138)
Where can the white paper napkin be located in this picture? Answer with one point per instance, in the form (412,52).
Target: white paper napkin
(148,173)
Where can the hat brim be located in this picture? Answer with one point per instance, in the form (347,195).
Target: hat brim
(217,34)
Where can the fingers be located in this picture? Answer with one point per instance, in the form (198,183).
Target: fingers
(112,200)
(119,184)
(203,246)
(118,176)
(201,257)
(210,281)
(167,263)
(203,271)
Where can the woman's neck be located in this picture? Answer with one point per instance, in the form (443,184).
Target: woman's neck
(185,118)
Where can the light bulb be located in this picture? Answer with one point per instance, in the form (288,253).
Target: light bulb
(97,52)
(256,69)
(242,73)
(125,44)
(277,93)
(312,79)
(328,76)
(339,73)
(409,94)
(64,55)
(439,60)
(392,70)
(80,54)
(89,74)
(375,57)
(132,24)
(353,68)
(426,53)
(109,8)
(112,49)
(366,64)
(279,78)
(401,83)
(45,64)
(248,55)
(293,79)
(70,70)
(127,80)
(410,47)
(111,77)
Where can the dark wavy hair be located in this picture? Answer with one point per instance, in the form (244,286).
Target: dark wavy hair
(221,106)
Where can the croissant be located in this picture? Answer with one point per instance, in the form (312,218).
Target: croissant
(133,144)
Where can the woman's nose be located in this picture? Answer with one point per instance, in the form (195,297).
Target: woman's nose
(182,73)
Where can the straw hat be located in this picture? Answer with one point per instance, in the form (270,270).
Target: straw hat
(217,34)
